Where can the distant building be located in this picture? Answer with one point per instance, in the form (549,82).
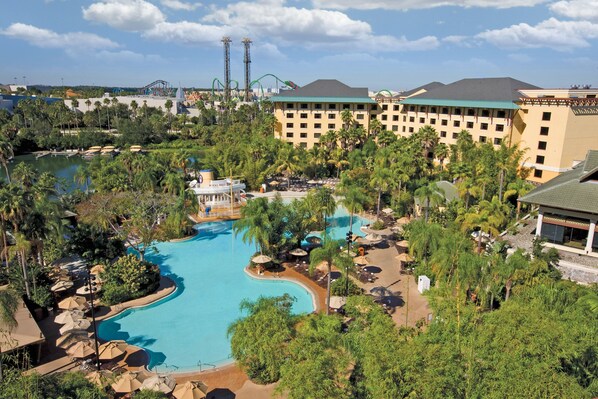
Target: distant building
(9,102)
(568,208)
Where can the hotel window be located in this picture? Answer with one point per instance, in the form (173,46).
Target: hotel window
(442,134)
(290,116)
(546,116)
(395,107)
(374,107)
(346,106)
(289,124)
(422,109)
(497,141)
(412,108)
(303,116)
(484,126)
(318,106)
(422,120)
(501,114)
(331,126)
(482,139)
(303,145)
(360,106)
(395,128)
(485,113)
(385,107)
(591,96)
(395,118)
(433,121)
(544,131)
(470,125)
(384,117)
(331,106)
(410,130)
(412,119)
(359,116)
(541,145)
(500,128)
(444,122)
(455,135)
(290,135)
(433,110)
(384,127)
(303,106)
(470,112)
(444,110)
(317,125)
(457,111)
(289,105)
(303,125)
(404,118)
(372,117)
(303,135)
(331,116)
(538,173)
(317,116)
(456,123)
(540,159)
(358,125)
(317,135)
(403,129)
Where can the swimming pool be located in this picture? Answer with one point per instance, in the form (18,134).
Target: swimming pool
(187,330)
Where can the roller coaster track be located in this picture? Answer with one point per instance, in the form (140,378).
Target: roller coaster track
(159,87)
(217,84)
(385,91)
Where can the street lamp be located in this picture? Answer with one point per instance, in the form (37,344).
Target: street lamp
(92,287)
(349,241)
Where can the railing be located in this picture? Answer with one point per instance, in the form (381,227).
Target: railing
(201,365)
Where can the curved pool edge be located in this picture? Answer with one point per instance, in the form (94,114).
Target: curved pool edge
(312,293)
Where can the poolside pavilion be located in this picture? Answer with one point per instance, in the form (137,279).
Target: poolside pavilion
(568,208)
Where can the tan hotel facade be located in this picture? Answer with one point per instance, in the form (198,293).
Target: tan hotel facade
(556,127)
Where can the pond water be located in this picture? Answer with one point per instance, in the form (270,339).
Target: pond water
(60,166)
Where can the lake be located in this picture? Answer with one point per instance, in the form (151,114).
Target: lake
(60,166)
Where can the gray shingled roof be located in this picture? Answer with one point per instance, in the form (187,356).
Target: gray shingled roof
(427,87)
(326,88)
(484,89)
(570,190)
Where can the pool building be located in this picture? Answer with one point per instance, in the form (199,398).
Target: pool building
(218,198)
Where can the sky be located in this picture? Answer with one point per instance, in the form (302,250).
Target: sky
(379,44)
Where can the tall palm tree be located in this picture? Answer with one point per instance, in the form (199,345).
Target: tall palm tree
(330,253)
(98,107)
(322,200)
(354,199)
(21,250)
(254,223)
(9,301)
(6,154)
(107,103)
(380,180)
(517,188)
(82,176)
(288,162)
(429,195)
(424,239)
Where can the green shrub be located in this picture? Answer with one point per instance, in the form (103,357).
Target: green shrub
(338,287)
(378,225)
(129,278)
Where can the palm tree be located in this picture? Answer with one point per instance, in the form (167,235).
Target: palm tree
(487,217)
(254,223)
(519,188)
(168,105)
(424,239)
(347,118)
(98,106)
(330,253)
(21,249)
(429,195)
(107,103)
(322,200)
(375,127)
(354,199)
(9,301)
(6,154)
(380,180)
(288,162)
(441,153)
(88,103)
(82,176)
(134,106)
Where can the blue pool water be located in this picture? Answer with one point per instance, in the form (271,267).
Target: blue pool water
(187,330)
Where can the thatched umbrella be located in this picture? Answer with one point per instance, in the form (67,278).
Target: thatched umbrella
(61,285)
(314,240)
(128,382)
(112,349)
(298,252)
(71,338)
(73,302)
(81,349)
(361,260)
(191,390)
(373,237)
(97,269)
(404,258)
(404,244)
(160,383)
(261,259)
(81,324)
(101,378)
(69,316)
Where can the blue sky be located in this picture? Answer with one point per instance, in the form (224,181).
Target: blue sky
(381,44)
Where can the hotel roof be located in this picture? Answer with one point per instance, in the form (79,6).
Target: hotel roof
(499,93)
(27,332)
(426,87)
(575,190)
(325,91)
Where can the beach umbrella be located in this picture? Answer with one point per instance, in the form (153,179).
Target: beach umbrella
(314,240)
(69,316)
(82,324)
(361,260)
(71,338)
(127,382)
(404,258)
(404,244)
(73,302)
(373,237)
(61,285)
(112,349)
(261,259)
(298,252)
(161,383)
(81,349)
(336,302)
(100,378)
(387,211)
(84,290)
(274,183)
(191,390)
(323,267)
(97,269)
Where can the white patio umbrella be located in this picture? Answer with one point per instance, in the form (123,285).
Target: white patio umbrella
(82,324)
(298,252)
(161,383)
(61,285)
(69,316)
(261,259)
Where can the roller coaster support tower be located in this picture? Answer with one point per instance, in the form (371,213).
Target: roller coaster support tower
(226,41)
(247,61)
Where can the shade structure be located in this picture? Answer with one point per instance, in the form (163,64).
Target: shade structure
(323,267)
(100,378)
(61,285)
(361,260)
(84,290)
(161,383)
(314,240)
(81,349)
(69,316)
(73,302)
(404,244)
(336,302)
(97,269)
(82,324)
(112,349)
(260,259)
(191,390)
(72,337)
(372,237)
(274,183)
(298,252)
(128,382)
(387,211)
(404,258)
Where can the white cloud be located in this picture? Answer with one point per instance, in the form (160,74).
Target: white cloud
(458,40)
(180,5)
(45,38)
(127,15)
(420,4)
(187,33)
(127,56)
(551,33)
(577,9)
